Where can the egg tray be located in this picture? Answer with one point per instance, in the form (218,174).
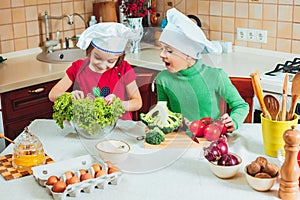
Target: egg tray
(42,173)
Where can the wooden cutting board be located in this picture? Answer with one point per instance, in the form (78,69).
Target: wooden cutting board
(178,140)
(9,172)
(107,10)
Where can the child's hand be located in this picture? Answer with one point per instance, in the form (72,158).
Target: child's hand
(109,98)
(227,120)
(77,94)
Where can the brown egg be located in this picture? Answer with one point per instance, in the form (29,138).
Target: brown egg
(109,164)
(82,171)
(86,176)
(68,174)
(59,187)
(113,170)
(100,173)
(72,180)
(51,180)
(96,167)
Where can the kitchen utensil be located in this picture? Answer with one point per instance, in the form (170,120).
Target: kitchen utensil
(272,105)
(295,95)
(192,136)
(283,115)
(3,136)
(258,92)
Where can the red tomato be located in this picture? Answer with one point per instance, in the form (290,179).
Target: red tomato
(196,127)
(212,132)
(206,120)
(222,127)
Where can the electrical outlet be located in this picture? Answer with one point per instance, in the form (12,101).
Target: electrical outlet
(262,36)
(252,35)
(242,34)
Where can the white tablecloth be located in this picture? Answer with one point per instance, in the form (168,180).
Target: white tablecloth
(189,177)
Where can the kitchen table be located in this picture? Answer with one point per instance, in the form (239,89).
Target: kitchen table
(188,177)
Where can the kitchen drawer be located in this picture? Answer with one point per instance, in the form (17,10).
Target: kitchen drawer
(27,101)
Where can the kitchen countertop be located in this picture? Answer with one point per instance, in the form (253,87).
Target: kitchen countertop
(22,69)
(188,177)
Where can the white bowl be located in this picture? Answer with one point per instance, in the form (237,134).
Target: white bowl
(115,151)
(225,171)
(260,184)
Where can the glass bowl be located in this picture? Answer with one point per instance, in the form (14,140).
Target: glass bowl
(100,133)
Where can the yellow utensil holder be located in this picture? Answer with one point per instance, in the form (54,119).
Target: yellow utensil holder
(272,132)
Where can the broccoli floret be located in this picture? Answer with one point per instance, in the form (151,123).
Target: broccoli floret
(154,136)
(160,116)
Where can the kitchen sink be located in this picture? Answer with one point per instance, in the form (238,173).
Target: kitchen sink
(62,55)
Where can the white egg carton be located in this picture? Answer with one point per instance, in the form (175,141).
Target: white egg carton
(43,172)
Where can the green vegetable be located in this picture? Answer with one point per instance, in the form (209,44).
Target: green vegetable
(89,115)
(154,136)
(62,109)
(96,91)
(160,116)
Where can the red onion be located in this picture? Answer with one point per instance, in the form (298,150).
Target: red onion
(223,147)
(212,153)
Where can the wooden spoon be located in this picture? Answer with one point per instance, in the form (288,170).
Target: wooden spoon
(258,92)
(295,95)
(272,105)
(3,136)
(282,116)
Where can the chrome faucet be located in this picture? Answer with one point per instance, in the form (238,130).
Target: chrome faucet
(50,44)
(67,41)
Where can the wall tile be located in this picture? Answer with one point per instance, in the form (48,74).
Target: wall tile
(284,30)
(79,7)
(271,27)
(269,12)
(215,23)
(6,32)
(7,45)
(5,4)
(286,2)
(5,16)
(17,3)
(31,13)
(228,37)
(215,8)
(296,46)
(255,11)
(296,13)
(228,9)
(20,44)
(255,24)
(285,13)
(203,7)
(270,45)
(283,45)
(67,8)
(19,30)
(30,2)
(296,31)
(34,41)
(228,25)
(270,1)
(241,10)
(191,7)
(32,28)
(215,35)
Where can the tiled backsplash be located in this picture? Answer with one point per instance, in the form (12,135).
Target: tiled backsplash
(220,18)
(21,28)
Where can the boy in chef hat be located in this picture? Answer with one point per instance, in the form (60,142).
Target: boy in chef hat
(104,67)
(191,87)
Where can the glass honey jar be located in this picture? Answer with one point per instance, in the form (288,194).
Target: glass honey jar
(28,151)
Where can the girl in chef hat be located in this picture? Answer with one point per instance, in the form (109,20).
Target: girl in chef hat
(191,87)
(104,67)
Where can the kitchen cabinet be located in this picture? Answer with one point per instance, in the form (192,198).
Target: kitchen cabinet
(21,106)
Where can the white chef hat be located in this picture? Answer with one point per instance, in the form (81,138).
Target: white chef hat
(184,35)
(110,37)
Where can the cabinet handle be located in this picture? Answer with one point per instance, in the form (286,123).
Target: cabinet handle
(39,90)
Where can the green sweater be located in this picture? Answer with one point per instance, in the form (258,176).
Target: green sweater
(196,92)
